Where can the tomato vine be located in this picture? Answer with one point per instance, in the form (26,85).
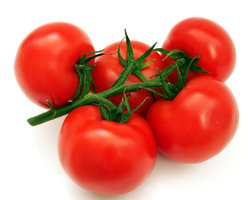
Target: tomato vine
(83,96)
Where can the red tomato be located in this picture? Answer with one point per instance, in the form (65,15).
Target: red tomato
(209,40)
(44,65)
(108,68)
(104,156)
(198,123)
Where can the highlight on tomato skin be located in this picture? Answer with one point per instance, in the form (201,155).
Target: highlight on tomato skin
(208,39)
(44,63)
(108,68)
(198,123)
(104,156)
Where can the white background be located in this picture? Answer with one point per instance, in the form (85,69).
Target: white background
(29,165)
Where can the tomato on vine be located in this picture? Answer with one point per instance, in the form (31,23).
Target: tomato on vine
(44,64)
(198,123)
(208,39)
(105,156)
(109,67)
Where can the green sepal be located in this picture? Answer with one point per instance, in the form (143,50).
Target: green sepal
(185,69)
(118,114)
(144,65)
(88,59)
(126,116)
(105,112)
(121,59)
(130,55)
(174,54)
(140,75)
(196,68)
(180,79)
(168,70)
(80,85)
(83,70)
(92,84)
(143,57)
(50,105)
(126,98)
(126,72)
(130,65)
(171,90)
(123,63)
(140,65)
(85,60)
(177,54)
(157,93)
(52,109)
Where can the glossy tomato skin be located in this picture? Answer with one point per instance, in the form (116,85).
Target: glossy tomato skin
(198,123)
(103,156)
(108,68)
(204,37)
(44,64)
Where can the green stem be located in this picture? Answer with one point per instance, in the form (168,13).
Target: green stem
(80,86)
(124,75)
(87,81)
(90,99)
(96,99)
(142,77)
(167,71)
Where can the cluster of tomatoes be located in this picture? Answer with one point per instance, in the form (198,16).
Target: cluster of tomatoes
(111,157)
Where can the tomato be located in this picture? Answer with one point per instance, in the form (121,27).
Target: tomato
(104,156)
(44,64)
(198,123)
(108,68)
(204,37)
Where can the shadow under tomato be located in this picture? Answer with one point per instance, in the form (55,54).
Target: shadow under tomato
(166,172)
(45,141)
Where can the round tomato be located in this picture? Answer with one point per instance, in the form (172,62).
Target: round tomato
(108,68)
(204,37)
(198,123)
(44,65)
(104,156)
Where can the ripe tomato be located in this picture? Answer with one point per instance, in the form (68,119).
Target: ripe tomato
(198,123)
(108,68)
(45,60)
(206,38)
(104,156)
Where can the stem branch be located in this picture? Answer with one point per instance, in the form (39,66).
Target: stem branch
(91,98)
